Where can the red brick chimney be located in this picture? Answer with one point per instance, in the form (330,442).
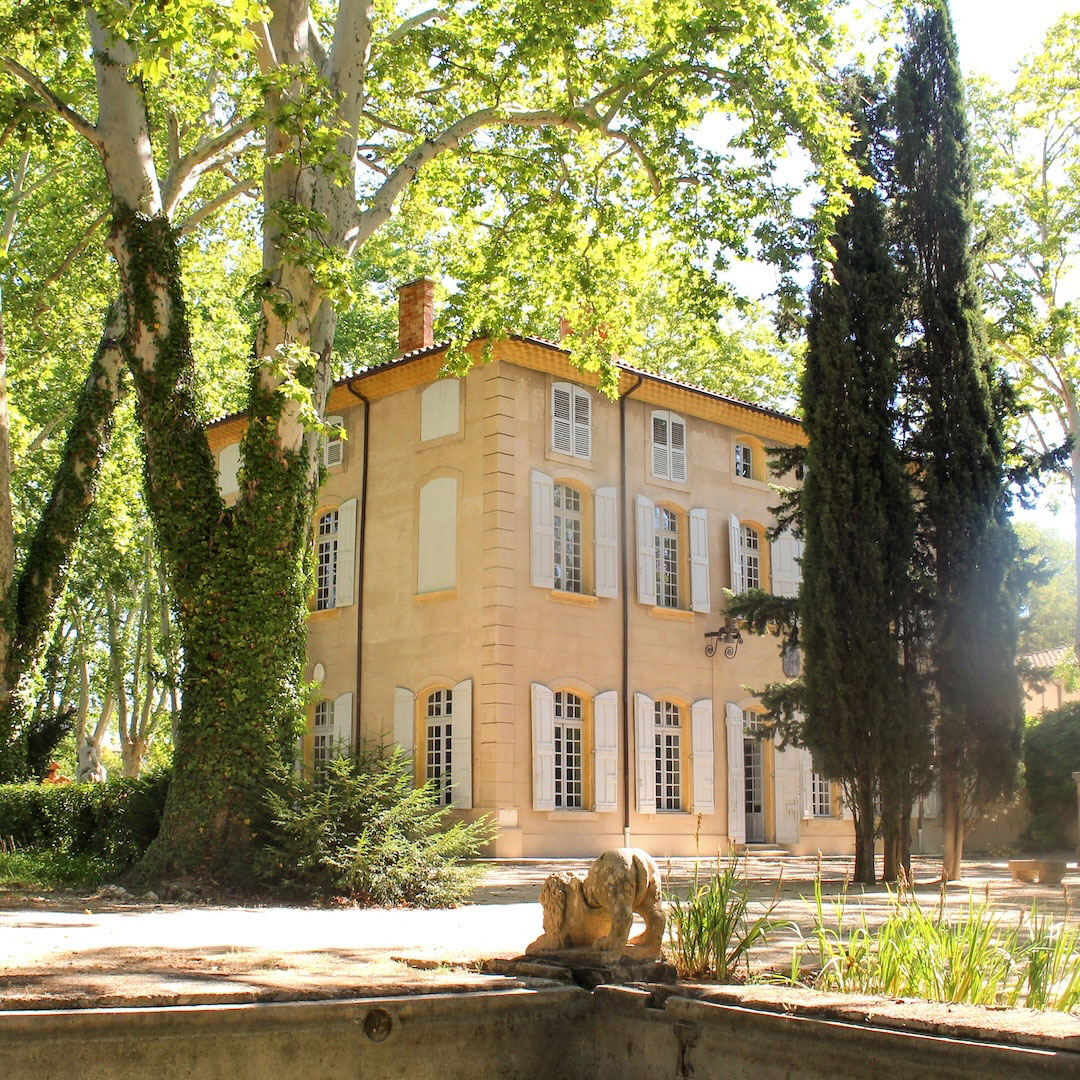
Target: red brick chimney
(416,306)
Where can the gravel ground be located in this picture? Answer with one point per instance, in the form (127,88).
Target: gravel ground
(64,951)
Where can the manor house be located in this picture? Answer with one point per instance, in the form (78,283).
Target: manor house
(517,580)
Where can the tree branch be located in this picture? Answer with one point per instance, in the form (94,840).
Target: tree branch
(79,122)
(241,187)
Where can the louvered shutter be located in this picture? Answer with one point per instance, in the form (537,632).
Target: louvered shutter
(735,551)
(702,759)
(582,423)
(660,445)
(786,570)
(645,739)
(606,547)
(543,530)
(699,562)
(343,725)
(333,445)
(562,438)
(228,466)
(606,751)
(787,799)
(677,433)
(461,725)
(646,548)
(346,553)
(405,719)
(806,764)
(543,729)
(736,776)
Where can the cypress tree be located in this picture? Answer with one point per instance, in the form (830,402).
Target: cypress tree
(956,441)
(856,517)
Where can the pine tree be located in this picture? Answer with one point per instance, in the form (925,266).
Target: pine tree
(956,442)
(856,519)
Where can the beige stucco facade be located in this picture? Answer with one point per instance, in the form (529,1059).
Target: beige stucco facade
(585,714)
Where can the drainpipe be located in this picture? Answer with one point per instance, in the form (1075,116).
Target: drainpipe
(360,565)
(627,715)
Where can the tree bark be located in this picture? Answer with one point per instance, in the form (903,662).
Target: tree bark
(39,585)
(863,810)
(952,817)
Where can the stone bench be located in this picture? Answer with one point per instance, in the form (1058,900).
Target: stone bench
(1043,871)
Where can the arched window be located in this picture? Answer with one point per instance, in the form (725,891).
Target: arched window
(326,561)
(569,533)
(569,751)
(750,542)
(744,460)
(666,547)
(323,741)
(667,738)
(438,747)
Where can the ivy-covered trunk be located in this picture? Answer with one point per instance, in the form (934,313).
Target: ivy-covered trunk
(238,573)
(31,598)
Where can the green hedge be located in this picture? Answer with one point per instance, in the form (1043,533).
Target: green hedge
(1051,756)
(115,820)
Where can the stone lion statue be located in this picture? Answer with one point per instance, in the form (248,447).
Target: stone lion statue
(597,913)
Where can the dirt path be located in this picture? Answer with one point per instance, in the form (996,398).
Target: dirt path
(78,951)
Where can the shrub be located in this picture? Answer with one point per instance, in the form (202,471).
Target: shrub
(114,821)
(712,930)
(365,832)
(1051,755)
(969,958)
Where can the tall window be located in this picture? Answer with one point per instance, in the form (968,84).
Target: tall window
(751,557)
(744,461)
(326,560)
(820,795)
(323,738)
(569,754)
(666,534)
(437,749)
(668,446)
(568,533)
(571,420)
(668,737)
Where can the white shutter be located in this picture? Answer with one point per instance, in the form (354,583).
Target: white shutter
(343,725)
(645,739)
(543,530)
(346,553)
(660,445)
(333,445)
(701,743)
(677,432)
(461,725)
(606,547)
(582,423)
(736,777)
(543,728)
(735,551)
(405,719)
(606,751)
(561,426)
(437,547)
(228,464)
(786,570)
(699,562)
(806,768)
(646,546)
(439,409)
(787,797)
